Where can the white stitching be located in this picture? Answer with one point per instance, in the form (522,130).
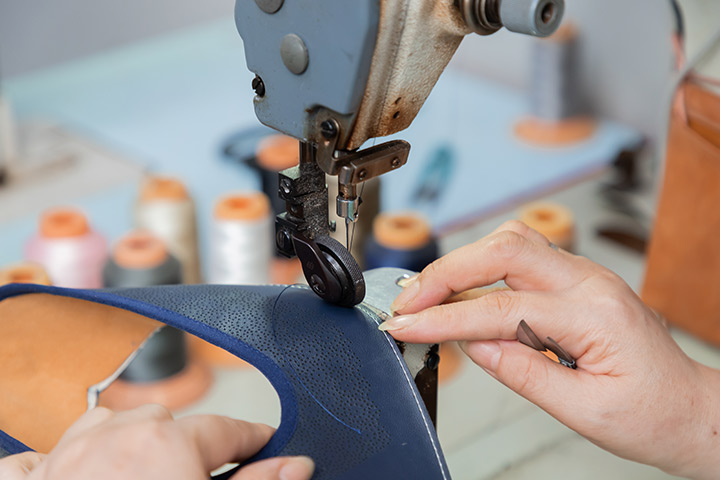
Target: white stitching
(417,402)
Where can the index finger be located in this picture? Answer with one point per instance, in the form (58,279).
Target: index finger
(522,263)
(222,440)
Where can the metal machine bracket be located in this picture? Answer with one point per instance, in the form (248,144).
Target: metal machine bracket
(353,168)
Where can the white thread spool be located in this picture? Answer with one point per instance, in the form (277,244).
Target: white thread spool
(166,209)
(70,251)
(241,244)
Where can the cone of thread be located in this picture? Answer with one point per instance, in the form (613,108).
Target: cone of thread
(160,371)
(69,250)
(166,209)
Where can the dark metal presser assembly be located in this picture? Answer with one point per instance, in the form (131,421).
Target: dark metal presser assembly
(527,337)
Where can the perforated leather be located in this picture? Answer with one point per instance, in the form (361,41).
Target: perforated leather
(347,398)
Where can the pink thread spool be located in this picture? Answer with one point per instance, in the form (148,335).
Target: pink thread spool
(70,251)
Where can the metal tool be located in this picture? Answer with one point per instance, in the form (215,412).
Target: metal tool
(335,74)
(527,337)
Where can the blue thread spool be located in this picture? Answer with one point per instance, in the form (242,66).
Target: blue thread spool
(402,240)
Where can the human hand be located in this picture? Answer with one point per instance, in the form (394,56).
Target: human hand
(147,443)
(635,392)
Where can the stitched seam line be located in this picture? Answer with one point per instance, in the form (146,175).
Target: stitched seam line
(417,402)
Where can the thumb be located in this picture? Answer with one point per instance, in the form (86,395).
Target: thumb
(281,468)
(19,466)
(528,372)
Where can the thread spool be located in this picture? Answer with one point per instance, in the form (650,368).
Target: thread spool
(553,220)
(166,209)
(241,250)
(160,371)
(556,116)
(241,243)
(140,259)
(8,140)
(402,240)
(72,254)
(26,272)
(361,230)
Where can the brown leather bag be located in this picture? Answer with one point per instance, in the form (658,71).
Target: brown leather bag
(682,280)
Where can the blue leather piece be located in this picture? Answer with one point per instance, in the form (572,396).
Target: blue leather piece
(347,398)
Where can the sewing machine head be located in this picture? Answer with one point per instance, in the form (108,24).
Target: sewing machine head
(335,74)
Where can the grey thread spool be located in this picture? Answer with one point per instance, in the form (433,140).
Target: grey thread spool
(554,88)
(140,260)
(166,209)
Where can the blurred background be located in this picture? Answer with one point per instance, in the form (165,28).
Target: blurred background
(129,127)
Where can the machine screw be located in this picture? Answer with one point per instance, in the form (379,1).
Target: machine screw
(269,6)
(332,225)
(362,174)
(294,53)
(328,129)
(283,240)
(317,284)
(432,362)
(286,186)
(395,162)
(259,86)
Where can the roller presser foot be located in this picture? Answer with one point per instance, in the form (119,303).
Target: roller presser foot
(330,270)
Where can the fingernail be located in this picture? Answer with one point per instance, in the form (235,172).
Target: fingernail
(397,323)
(489,372)
(487,354)
(298,468)
(404,282)
(408,295)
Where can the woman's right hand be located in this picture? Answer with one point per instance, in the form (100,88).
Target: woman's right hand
(635,392)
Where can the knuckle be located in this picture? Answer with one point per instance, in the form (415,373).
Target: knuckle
(102,414)
(500,304)
(435,268)
(153,434)
(506,244)
(156,411)
(504,302)
(616,299)
(514,226)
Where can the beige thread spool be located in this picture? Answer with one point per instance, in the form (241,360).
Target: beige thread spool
(553,220)
(166,209)
(26,272)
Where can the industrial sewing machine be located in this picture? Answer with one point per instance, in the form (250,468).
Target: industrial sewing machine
(334,74)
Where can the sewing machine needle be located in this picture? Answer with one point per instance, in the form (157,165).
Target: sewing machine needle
(347,233)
